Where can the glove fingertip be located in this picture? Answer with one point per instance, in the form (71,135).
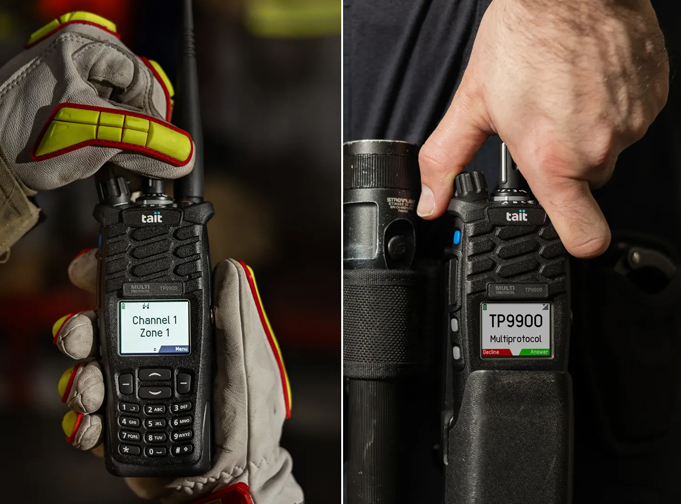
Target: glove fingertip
(83,270)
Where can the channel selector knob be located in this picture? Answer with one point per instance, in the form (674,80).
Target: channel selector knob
(470,186)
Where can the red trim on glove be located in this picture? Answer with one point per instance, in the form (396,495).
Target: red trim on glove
(79,419)
(169,103)
(96,25)
(238,493)
(69,385)
(56,336)
(270,336)
(108,143)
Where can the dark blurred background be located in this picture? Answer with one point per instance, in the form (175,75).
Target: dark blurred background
(270,97)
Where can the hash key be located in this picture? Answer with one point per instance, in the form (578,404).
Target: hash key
(183,449)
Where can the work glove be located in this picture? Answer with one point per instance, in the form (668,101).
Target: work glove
(75,98)
(251,396)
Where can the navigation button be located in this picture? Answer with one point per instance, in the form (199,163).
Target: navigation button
(125,385)
(155,374)
(129,450)
(184,383)
(155,392)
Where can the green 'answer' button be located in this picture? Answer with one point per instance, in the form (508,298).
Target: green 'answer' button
(535,351)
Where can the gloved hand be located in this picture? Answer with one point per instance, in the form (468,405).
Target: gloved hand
(251,396)
(75,98)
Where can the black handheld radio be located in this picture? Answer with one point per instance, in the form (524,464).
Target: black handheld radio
(154,308)
(507,419)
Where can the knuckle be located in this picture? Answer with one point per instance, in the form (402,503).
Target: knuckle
(433,159)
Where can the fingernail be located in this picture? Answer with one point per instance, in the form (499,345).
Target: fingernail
(426,202)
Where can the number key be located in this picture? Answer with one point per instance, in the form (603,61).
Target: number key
(129,407)
(182,421)
(129,436)
(154,409)
(155,423)
(129,422)
(181,407)
(156,437)
(182,435)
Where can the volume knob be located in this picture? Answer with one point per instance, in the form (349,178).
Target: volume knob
(470,186)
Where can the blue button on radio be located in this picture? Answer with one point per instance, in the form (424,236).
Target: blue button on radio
(457,237)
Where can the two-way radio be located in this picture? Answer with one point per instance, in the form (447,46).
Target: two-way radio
(507,420)
(154,308)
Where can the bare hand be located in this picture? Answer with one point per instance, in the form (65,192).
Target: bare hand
(567,86)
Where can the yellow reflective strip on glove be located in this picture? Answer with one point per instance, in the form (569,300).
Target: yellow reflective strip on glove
(64,381)
(69,18)
(169,142)
(68,423)
(164,77)
(73,126)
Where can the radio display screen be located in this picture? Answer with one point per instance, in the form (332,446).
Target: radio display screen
(154,327)
(515,329)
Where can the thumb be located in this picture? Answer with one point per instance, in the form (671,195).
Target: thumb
(452,145)
(578,219)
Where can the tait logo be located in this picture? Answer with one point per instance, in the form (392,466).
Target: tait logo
(521,216)
(157,217)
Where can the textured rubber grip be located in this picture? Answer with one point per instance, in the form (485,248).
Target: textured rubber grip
(512,442)
(382,314)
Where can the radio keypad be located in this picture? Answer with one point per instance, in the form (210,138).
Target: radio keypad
(166,428)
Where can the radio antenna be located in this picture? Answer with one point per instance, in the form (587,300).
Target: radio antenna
(186,111)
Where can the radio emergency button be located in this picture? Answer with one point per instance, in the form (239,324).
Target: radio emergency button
(154,409)
(129,407)
(180,407)
(184,435)
(129,450)
(155,374)
(183,449)
(129,436)
(155,392)
(125,385)
(184,383)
